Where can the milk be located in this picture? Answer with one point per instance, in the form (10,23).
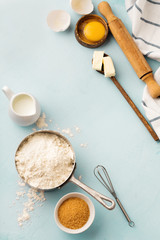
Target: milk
(23,105)
(24,109)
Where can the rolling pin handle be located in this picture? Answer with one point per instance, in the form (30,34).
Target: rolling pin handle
(153,87)
(105,9)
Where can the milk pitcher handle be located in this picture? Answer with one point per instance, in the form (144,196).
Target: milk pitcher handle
(8,92)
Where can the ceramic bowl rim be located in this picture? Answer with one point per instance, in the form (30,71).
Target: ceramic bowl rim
(13,99)
(91,217)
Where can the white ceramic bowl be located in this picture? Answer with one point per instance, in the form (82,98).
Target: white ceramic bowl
(91,209)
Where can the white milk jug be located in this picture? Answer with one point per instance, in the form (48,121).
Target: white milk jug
(24,109)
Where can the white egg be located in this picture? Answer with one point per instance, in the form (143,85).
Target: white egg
(82,7)
(58,20)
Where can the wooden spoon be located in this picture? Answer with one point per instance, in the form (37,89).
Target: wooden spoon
(133,106)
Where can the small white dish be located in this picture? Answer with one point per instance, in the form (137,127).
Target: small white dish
(58,20)
(82,7)
(91,209)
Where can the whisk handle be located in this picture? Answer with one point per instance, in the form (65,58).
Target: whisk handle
(98,196)
(130,222)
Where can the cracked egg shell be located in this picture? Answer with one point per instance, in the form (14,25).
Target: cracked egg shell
(58,20)
(82,7)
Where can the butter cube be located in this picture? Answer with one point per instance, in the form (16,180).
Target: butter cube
(97,60)
(109,70)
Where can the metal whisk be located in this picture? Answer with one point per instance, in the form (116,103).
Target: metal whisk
(101,173)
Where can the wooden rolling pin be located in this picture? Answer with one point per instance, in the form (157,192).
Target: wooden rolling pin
(130,49)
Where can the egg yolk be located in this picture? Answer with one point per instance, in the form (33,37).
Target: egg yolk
(94,31)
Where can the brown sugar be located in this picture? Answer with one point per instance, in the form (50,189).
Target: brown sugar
(73,213)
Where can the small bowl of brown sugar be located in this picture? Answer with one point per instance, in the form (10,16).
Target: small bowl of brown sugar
(74,213)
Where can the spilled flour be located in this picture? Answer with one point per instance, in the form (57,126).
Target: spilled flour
(77,129)
(68,132)
(41,122)
(31,200)
(83,145)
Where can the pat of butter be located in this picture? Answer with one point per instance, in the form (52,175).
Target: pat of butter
(109,70)
(97,60)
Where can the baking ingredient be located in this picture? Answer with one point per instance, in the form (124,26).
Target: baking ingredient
(82,7)
(20,194)
(41,122)
(109,70)
(73,213)
(44,160)
(94,31)
(80,178)
(77,129)
(83,145)
(97,60)
(21,184)
(23,105)
(67,131)
(58,20)
(32,199)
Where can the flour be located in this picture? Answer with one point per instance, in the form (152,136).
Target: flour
(68,132)
(80,178)
(83,145)
(21,184)
(77,129)
(45,160)
(41,122)
(33,199)
(20,194)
